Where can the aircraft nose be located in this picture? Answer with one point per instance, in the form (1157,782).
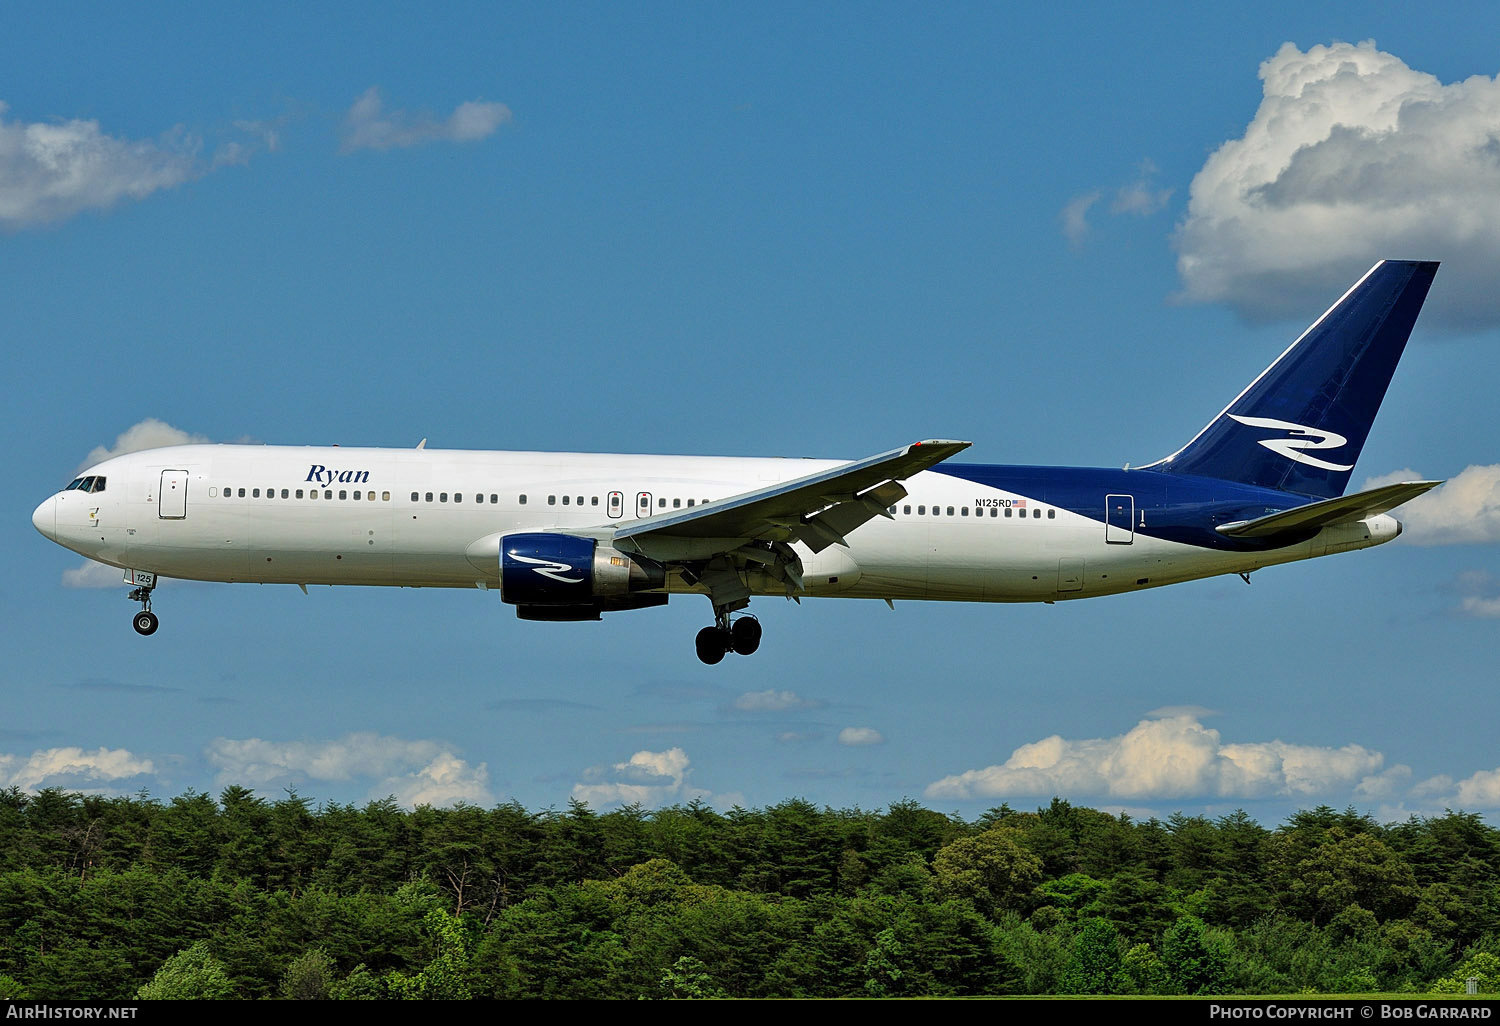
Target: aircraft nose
(45,518)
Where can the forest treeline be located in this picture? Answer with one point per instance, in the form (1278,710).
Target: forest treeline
(244,896)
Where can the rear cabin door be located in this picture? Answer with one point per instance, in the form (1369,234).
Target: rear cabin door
(1119,519)
(171,504)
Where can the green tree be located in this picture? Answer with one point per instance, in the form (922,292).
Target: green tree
(990,869)
(448,976)
(1095,960)
(192,974)
(688,977)
(309,977)
(1483,966)
(1194,965)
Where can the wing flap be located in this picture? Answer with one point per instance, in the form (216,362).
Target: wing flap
(1342,509)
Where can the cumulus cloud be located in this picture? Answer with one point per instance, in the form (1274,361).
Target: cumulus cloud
(648,778)
(417,772)
(147,434)
(52,170)
(1170,757)
(369,126)
(1465,509)
(1352,156)
(71,767)
(861,736)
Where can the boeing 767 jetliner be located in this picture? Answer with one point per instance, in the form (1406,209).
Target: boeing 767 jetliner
(570,536)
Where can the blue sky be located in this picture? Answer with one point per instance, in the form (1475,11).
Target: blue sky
(1068,234)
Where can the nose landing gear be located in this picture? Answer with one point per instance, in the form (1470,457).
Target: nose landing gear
(145,622)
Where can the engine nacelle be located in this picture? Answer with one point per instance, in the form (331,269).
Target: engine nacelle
(564,570)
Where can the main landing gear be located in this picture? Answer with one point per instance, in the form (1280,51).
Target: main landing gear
(145,621)
(741,637)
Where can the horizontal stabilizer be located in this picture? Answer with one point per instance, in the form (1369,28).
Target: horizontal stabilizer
(1344,509)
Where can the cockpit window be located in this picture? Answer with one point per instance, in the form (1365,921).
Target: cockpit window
(86,484)
(97,484)
(77,482)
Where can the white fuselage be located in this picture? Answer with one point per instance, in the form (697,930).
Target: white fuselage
(433,518)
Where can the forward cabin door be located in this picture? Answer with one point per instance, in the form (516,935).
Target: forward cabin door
(171,504)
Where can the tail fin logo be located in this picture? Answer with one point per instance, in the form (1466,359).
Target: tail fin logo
(1304,438)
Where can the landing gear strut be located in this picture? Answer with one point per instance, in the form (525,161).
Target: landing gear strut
(145,621)
(741,637)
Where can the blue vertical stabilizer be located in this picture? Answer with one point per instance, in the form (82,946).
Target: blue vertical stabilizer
(1300,426)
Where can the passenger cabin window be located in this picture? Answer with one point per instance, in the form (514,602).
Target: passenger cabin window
(494,499)
(327,493)
(442,496)
(523,498)
(1036,514)
(458,496)
(552,500)
(906,510)
(994,512)
(1052,514)
(413,496)
(1007,511)
(285,493)
(921,511)
(966,511)
(676,503)
(255,493)
(479,497)
(565,499)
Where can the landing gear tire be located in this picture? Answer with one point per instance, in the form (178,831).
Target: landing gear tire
(745,635)
(145,622)
(712,644)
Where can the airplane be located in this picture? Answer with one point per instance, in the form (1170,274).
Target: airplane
(571,536)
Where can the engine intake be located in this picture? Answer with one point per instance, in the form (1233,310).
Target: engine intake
(564,570)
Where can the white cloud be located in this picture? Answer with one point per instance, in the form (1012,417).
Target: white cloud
(1075,216)
(1479,594)
(446,780)
(1482,790)
(1465,509)
(69,767)
(147,434)
(1352,156)
(773,701)
(92,575)
(1141,197)
(1169,757)
(417,772)
(649,778)
(52,170)
(861,736)
(369,126)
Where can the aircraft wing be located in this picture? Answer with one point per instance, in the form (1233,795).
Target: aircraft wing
(818,510)
(1342,509)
